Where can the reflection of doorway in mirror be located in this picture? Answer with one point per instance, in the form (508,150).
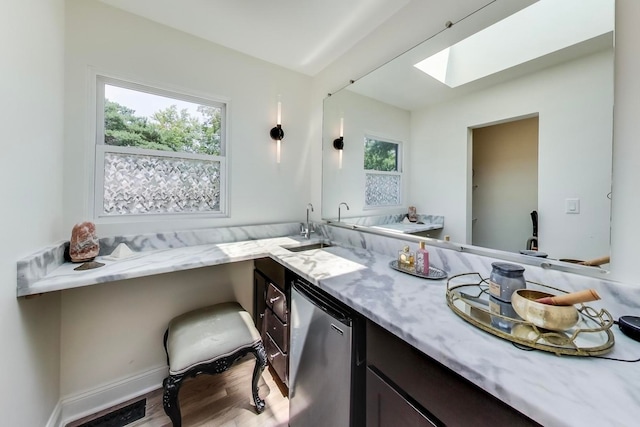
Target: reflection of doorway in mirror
(505,184)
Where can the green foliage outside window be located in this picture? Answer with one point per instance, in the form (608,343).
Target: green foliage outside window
(167,129)
(380,155)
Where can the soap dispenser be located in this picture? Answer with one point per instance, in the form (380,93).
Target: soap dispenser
(422,260)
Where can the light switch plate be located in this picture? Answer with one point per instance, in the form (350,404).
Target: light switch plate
(572,206)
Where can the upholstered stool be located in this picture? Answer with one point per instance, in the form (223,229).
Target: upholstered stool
(208,341)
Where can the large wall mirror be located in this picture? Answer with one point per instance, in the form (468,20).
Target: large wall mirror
(492,126)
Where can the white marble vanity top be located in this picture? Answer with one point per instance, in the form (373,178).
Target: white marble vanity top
(159,261)
(408,228)
(552,390)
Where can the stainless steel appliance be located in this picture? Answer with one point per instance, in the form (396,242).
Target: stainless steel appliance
(326,360)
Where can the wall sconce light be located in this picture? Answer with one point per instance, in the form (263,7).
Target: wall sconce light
(338,143)
(277,133)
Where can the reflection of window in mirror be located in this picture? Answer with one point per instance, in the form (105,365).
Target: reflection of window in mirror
(383,172)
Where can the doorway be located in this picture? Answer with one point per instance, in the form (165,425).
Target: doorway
(504,184)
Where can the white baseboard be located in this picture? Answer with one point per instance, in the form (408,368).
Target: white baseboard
(89,402)
(55,419)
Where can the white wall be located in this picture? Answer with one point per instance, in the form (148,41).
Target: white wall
(625,227)
(115,42)
(31,88)
(362,116)
(574,141)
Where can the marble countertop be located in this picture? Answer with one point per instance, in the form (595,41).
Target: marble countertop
(159,261)
(553,390)
(408,228)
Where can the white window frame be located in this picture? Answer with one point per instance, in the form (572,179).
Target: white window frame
(101,149)
(399,172)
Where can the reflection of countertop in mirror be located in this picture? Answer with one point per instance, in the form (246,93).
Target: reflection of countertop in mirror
(408,228)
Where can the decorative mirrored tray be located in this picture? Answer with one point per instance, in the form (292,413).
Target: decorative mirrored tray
(468,296)
(434,273)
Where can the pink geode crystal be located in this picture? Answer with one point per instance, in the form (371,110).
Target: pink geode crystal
(84,244)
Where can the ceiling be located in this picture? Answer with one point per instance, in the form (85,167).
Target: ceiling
(304,36)
(545,34)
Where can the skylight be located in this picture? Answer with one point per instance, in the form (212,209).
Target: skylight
(509,43)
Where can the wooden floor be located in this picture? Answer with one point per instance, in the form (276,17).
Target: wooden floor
(222,400)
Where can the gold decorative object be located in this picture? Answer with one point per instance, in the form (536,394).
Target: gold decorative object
(468,296)
(554,317)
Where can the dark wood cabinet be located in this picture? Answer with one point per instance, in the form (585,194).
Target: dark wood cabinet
(271,307)
(386,407)
(405,387)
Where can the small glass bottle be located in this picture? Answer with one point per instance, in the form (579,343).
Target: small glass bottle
(406,259)
(422,260)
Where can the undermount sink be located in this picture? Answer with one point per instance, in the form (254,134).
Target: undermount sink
(309,247)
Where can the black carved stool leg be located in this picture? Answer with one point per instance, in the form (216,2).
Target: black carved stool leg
(171,386)
(261,363)
(164,342)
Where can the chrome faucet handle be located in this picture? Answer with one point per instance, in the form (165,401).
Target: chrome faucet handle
(308,231)
(339,206)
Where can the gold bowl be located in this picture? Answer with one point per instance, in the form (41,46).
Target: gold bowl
(553,317)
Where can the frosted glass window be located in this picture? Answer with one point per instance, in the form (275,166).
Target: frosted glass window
(382,190)
(137,184)
(158,152)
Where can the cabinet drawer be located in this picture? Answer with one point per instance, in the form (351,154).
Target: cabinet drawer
(276,358)
(278,331)
(277,301)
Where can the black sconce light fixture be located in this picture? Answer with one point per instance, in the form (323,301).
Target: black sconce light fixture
(338,143)
(276,133)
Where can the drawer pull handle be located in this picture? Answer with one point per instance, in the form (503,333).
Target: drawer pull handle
(272,300)
(272,356)
(261,315)
(338,330)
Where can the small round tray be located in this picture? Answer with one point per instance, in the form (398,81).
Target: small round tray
(434,273)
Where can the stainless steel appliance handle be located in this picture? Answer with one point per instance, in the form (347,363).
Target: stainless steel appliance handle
(317,298)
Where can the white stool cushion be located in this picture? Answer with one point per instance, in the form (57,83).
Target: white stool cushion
(207,334)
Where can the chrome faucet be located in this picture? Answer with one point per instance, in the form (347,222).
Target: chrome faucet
(306,232)
(343,203)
